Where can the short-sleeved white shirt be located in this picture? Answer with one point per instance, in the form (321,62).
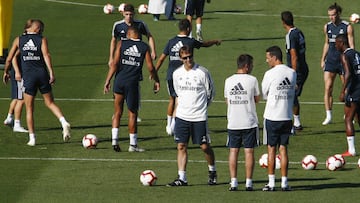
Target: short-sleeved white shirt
(278,88)
(239,91)
(195,90)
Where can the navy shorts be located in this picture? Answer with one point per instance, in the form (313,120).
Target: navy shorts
(16,87)
(334,68)
(194,7)
(37,78)
(171,90)
(245,137)
(130,90)
(198,131)
(278,132)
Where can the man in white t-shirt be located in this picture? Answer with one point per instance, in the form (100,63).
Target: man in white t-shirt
(241,93)
(278,88)
(194,88)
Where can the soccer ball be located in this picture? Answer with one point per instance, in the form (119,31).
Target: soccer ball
(143,8)
(342,159)
(263,161)
(333,163)
(309,162)
(121,7)
(278,161)
(89,141)
(177,9)
(354,18)
(148,178)
(108,8)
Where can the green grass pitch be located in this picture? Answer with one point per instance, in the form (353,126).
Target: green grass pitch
(79,37)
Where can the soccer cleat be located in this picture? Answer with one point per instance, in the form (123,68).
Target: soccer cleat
(347,153)
(116,148)
(66,132)
(298,127)
(168,130)
(287,188)
(176,183)
(199,36)
(31,142)
(20,129)
(326,121)
(212,178)
(135,148)
(267,188)
(8,121)
(232,189)
(249,189)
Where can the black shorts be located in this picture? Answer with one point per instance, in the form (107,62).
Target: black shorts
(130,90)
(334,68)
(197,130)
(194,7)
(278,132)
(171,90)
(37,78)
(245,137)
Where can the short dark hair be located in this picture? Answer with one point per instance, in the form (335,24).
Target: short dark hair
(184,24)
(275,51)
(244,59)
(129,7)
(185,49)
(287,18)
(336,7)
(343,38)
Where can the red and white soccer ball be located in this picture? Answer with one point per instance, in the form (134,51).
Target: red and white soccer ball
(333,163)
(121,7)
(89,141)
(309,162)
(342,159)
(263,161)
(143,8)
(354,18)
(108,8)
(148,178)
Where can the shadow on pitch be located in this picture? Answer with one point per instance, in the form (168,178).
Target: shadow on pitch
(251,39)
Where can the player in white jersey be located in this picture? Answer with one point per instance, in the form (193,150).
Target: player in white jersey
(278,88)
(241,93)
(195,91)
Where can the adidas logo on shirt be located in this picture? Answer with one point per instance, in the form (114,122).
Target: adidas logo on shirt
(238,89)
(132,51)
(177,46)
(285,84)
(29,46)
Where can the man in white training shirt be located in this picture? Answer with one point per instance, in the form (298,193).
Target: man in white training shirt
(194,88)
(278,88)
(241,93)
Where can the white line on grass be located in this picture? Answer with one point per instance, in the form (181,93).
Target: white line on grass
(128,160)
(74,3)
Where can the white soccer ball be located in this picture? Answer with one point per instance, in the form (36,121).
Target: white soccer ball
(309,162)
(333,163)
(342,159)
(177,9)
(148,178)
(108,8)
(121,7)
(278,161)
(89,141)
(263,161)
(354,18)
(143,8)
